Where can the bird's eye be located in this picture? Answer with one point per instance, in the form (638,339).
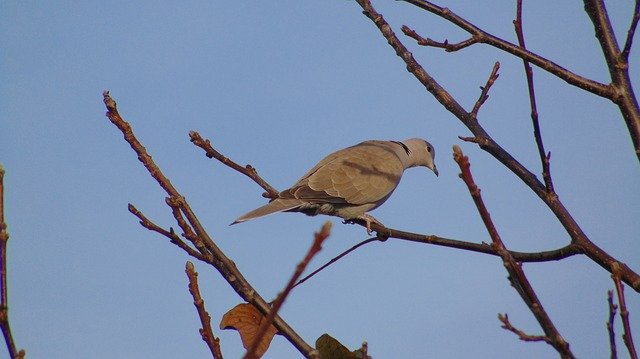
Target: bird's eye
(428,148)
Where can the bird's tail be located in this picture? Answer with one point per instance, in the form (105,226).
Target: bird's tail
(277,205)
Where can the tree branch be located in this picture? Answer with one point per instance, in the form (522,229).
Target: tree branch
(217,258)
(537,134)
(624,56)
(618,66)
(627,337)
(4,299)
(385,232)
(482,138)
(319,238)
(610,328)
(247,170)
(337,258)
(205,319)
(516,275)
(484,94)
(171,234)
(443,45)
(481,36)
(506,324)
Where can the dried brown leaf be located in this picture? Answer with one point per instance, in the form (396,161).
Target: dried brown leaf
(246,319)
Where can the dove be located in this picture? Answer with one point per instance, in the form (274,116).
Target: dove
(351,182)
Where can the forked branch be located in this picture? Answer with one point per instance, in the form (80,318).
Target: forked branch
(480,36)
(484,140)
(195,232)
(516,275)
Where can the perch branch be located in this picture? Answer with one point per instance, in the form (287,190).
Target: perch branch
(319,238)
(516,275)
(545,157)
(217,258)
(385,232)
(482,138)
(205,319)
(4,299)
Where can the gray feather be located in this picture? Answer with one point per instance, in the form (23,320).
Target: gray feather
(277,205)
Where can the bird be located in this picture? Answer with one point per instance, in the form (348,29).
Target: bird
(351,182)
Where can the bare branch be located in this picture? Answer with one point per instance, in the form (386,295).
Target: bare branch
(444,45)
(610,328)
(319,238)
(217,258)
(482,138)
(338,257)
(506,324)
(486,38)
(544,157)
(4,299)
(544,256)
(516,275)
(248,170)
(623,94)
(205,319)
(624,56)
(627,337)
(484,94)
(173,237)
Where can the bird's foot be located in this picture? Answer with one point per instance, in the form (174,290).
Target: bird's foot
(369,219)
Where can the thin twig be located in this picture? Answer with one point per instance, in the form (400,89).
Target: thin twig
(627,336)
(205,319)
(516,275)
(336,258)
(484,140)
(448,47)
(247,170)
(610,328)
(624,55)
(4,299)
(506,324)
(319,238)
(216,257)
(484,94)
(171,234)
(545,157)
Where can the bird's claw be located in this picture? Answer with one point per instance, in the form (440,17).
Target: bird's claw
(368,220)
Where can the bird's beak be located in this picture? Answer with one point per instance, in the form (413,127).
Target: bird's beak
(435,170)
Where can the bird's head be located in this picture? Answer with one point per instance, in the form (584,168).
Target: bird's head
(421,153)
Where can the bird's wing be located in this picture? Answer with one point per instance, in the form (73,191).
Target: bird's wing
(365,173)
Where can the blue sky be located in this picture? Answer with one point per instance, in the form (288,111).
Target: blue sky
(279,85)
